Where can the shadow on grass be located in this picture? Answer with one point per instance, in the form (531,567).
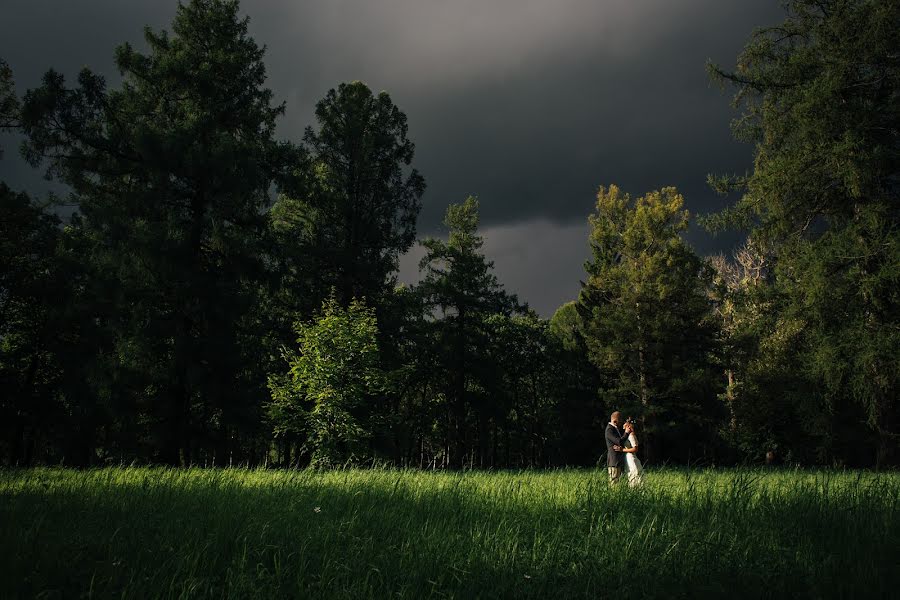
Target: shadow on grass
(158,532)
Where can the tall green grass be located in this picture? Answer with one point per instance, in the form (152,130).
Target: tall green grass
(156,532)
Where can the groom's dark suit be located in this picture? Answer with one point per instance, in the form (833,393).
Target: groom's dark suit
(615,460)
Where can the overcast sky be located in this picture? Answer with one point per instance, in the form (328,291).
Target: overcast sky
(528,104)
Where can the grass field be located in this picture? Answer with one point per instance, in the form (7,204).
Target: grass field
(155,532)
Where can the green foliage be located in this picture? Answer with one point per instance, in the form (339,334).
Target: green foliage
(819,101)
(566,325)
(49,338)
(335,369)
(521,385)
(771,400)
(147,327)
(359,210)
(581,411)
(171,173)
(646,317)
(458,279)
(29,280)
(9,103)
(342,229)
(460,292)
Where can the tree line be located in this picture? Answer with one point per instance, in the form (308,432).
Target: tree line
(222,297)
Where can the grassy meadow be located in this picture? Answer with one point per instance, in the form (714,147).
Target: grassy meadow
(194,533)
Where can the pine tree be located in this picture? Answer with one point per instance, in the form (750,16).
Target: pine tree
(460,292)
(820,103)
(359,211)
(171,173)
(9,103)
(646,320)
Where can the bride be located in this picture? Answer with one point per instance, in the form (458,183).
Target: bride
(633,467)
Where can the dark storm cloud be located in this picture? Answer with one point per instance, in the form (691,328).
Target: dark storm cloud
(528,104)
(531,104)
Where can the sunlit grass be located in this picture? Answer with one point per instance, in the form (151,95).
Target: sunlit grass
(147,532)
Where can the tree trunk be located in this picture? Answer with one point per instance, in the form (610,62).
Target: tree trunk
(178,438)
(886,455)
(17,456)
(644,392)
(27,442)
(493,443)
(729,395)
(459,404)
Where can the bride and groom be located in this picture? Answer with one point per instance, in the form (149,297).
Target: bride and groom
(621,451)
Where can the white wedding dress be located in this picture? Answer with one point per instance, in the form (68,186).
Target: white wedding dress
(633,467)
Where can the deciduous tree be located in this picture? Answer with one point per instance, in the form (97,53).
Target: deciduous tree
(335,369)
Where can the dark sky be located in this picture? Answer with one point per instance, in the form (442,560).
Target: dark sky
(528,104)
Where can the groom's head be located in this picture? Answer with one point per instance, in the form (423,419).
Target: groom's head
(615,418)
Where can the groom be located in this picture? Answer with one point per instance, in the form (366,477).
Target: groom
(615,440)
